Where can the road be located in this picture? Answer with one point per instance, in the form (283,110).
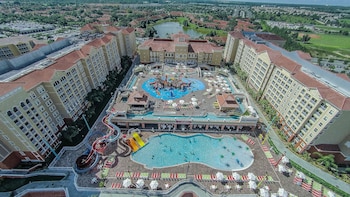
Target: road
(281,147)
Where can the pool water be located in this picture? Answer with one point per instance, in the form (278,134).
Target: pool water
(173,93)
(166,150)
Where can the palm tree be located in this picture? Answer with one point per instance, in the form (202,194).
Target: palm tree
(326,160)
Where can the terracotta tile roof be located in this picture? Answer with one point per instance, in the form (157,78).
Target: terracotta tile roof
(37,46)
(6,87)
(343,76)
(236,34)
(35,78)
(226,101)
(128,30)
(303,55)
(87,27)
(327,93)
(111,29)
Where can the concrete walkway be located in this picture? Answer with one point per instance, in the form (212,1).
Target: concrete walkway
(281,147)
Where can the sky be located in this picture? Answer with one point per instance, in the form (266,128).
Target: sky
(308,2)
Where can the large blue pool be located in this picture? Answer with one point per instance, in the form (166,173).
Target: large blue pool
(172,93)
(225,153)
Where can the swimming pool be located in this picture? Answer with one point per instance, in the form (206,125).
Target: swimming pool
(166,150)
(173,93)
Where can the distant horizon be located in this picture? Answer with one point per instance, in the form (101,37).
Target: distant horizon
(345,3)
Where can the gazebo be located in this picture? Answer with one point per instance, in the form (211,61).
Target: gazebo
(226,102)
(138,100)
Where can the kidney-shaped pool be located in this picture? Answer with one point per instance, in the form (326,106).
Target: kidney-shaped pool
(166,150)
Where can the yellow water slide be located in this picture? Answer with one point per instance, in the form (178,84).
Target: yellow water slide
(133,145)
(138,139)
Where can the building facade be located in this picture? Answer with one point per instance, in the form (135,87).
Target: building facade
(180,49)
(312,108)
(37,102)
(15,46)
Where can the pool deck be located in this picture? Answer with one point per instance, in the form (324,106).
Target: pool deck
(260,167)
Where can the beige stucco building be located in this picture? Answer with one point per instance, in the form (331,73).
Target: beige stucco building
(180,49)
(36,102)
(312,104)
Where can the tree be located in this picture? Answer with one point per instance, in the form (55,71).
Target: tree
(326,160)
(185,23)
(70,133)
(305,38)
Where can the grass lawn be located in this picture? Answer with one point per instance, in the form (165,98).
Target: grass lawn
(324,27)
(336,44)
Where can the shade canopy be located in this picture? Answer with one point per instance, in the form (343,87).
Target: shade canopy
(252,185)
(126,183)
(281,168)
(213,187)
(236,176)
(264,193)
(300,175)
(140,183)
(282,193)
(220,176)
(227,187)
(251,176)
(154,184)
(285,160)
(166,185)
(331,194)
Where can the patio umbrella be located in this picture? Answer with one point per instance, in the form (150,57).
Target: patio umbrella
(252,184)
(140,183)
(236,176)
(281,168)
(94,180)
(174,105)
(194,99)
(285,160)
(181,102)
(281,192)
(220,176)
(227,187)
(264,192)
(251,176)
(170,101)
(195,104)
(154,184)
(213,187)
(300,175)
(134,88)
(238,187)
(126,183)
(166,185)
(330,194)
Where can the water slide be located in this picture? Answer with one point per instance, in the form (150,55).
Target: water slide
(100,144)
(132,143)
(138,139)
(84,163)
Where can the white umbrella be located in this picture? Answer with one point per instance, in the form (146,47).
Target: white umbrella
(227,187)
(217,90)
(194,99)
(220,176)
(282,193)
(94,180)
(213,187)
(134,88)
(300,175)
(251,176)
(285,160)
(195,104)
(281,168)
(236,176)
(154,184)
(174,105)
(181,102)
(170,101)
(126,183)
(252,184)
(238,187)
(264,192)
(330,194)
(140,183)
(166,185)
(209,90)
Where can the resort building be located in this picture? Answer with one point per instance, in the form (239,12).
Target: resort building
(126,38)
(180,49)
(43,90)
(16,46)
(312,104)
